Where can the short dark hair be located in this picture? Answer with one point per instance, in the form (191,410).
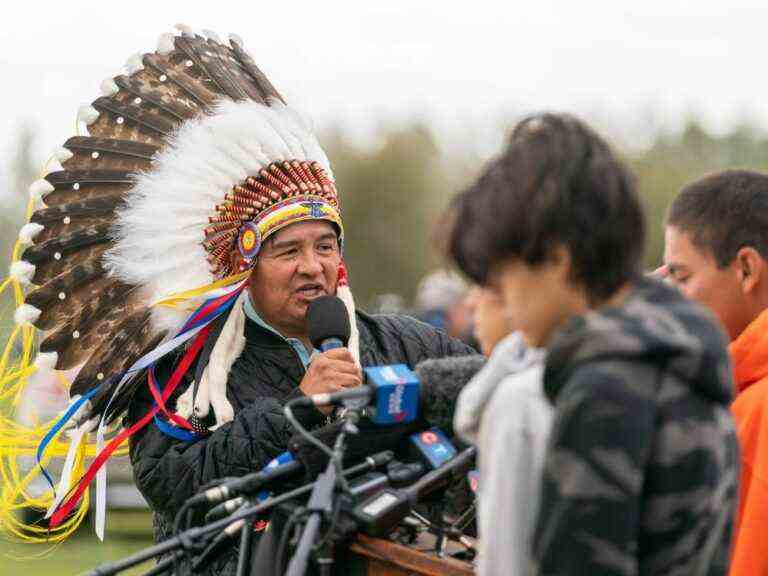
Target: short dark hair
(557,183)
(724,212)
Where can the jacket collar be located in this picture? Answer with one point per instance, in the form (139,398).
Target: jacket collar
(749,353)
(298,346)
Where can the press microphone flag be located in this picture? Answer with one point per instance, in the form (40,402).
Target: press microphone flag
(392,392)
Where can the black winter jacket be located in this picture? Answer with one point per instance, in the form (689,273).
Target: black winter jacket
(265,376)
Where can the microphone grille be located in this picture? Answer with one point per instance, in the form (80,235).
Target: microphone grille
(327,318)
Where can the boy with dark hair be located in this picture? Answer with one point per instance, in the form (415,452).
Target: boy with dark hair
(717,253)
(640,471)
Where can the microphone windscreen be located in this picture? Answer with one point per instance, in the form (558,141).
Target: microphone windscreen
(327,317)
(442,380)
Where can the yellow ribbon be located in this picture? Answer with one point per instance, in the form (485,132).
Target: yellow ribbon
(174,300)
(19,442)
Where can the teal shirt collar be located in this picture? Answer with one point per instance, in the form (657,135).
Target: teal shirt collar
(304,355)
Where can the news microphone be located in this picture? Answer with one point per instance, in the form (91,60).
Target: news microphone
(391,393)
(328,323)
(380,513)
(398,394)
(282,466)
(370,438)
(224,509)
(431,447)
(220,542)
(442,380)
(397,475)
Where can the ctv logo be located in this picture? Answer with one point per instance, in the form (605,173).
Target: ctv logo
(429,437)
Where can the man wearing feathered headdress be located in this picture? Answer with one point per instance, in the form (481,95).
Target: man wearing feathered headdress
(197,191)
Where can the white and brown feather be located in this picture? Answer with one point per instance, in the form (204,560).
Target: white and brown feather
(101,321)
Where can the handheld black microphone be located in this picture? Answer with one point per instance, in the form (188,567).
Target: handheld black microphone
(392,391)
(328,323)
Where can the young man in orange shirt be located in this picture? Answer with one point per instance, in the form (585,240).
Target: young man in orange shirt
(716,252)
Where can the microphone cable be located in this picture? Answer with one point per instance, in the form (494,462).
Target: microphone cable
(336,453)
(294,520)
(306,434)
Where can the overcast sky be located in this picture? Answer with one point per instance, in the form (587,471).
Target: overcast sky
(629,66)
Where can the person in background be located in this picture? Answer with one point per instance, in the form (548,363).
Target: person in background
(716,252)
(441,301)
(503,411)
(489,325)
(641,464)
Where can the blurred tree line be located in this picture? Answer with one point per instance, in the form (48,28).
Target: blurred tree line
(393,192)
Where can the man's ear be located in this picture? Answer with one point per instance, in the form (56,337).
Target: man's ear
(751,268)
(236,260)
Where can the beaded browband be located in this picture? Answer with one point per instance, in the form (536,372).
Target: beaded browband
(283,193)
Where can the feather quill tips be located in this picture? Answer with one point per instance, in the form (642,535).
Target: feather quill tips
(109,87)
(184,29)
(135,63)
(165,44)
(22,272)
(62,154)
(26,314)
(39,188)
(29,231)
(211,35)
(46,360)
(88,114)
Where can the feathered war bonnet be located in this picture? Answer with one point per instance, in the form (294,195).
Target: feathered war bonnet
(191,154)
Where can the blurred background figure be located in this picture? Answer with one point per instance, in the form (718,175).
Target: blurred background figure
(442,301)
(388,303)
(489,322)
(503,411)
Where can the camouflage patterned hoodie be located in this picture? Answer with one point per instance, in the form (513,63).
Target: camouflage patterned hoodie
(641,470)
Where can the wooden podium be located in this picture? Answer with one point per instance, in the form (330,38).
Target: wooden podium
(376,557)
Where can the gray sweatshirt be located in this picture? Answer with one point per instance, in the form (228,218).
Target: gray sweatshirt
(503,412)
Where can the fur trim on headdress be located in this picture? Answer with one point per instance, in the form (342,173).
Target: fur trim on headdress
(344,293)
(22,272)
(39,188)
(26,314)
(46,360)
(212,388)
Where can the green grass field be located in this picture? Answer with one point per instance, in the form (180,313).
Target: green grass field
(127,532)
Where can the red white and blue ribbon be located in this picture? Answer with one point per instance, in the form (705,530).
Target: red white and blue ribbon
(197,326)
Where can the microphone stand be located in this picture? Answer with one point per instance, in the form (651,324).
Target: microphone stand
(244,556)
(183,540)
(321,505)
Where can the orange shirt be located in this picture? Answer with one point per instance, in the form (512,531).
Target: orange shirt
(749,353)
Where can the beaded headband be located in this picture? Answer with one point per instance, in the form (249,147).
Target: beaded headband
(283,193)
